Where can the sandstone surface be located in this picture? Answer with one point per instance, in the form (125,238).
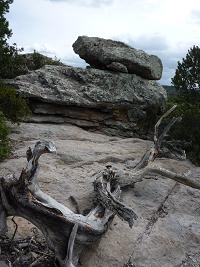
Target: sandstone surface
(167,232)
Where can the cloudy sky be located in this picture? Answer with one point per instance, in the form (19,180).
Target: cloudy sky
(167,28)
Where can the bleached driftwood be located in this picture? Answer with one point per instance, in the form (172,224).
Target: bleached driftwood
(66,232)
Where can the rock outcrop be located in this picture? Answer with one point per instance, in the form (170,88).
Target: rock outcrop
(116,103)
(167,232)
(113,55)
(116,95)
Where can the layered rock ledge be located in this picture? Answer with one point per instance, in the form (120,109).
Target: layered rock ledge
(115,103)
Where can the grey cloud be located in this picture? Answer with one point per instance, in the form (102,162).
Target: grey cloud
(40,49)
(195,16)
(158,45)
(169,59)
(86,3)
(153,43)
(74,61)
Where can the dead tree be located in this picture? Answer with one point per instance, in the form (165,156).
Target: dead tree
(66,232)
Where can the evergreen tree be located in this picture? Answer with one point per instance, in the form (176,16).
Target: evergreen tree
(9,59)
(12,107)
(187,84)
(187,76)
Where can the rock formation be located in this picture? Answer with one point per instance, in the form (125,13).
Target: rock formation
(116,103)
(117,56)
(111,99)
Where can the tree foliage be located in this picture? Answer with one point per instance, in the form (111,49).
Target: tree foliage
(188,130)
(187,76)
(5,32)
(8,53)
(35,60)
(12,107)
(4,142)
(187,84)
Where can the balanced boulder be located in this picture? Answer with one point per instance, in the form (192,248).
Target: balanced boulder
(116,56)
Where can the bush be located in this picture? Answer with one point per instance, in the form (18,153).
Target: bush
(14,107)
(20,64)
(187,84)
(4,142)
(188,130)
(36,61)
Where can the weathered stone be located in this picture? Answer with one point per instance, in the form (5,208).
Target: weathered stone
(118,67)
(108,54)
(91,97)
(3,264)
(167,232)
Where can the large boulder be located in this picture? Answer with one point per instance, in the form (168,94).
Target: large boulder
(116,103)
(113,55)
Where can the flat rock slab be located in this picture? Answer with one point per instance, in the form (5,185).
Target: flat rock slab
(116,56)
(115,103)
(167,232)
(3,264)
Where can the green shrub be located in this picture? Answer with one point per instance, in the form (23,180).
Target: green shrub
(13,107)
(36,60)
(4,142)
(188,130)
(20,64)
(11,63)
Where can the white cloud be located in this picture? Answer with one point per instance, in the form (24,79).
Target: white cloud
(87,3)
(150,43)
(44,49)
(195,16)
(74,61)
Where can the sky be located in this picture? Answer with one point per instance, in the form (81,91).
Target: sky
(166,28)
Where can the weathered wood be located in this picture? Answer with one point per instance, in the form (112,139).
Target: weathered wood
(23,197)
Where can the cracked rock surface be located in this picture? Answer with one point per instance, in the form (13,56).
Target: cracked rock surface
(167,232)
(114,103)
(117,56)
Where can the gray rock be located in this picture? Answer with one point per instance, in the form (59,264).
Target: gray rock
(167,232)
(118,67)
(3,264)
(124,103)
(105,54)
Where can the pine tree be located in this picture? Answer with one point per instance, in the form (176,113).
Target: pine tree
(8,53)
(187,76)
